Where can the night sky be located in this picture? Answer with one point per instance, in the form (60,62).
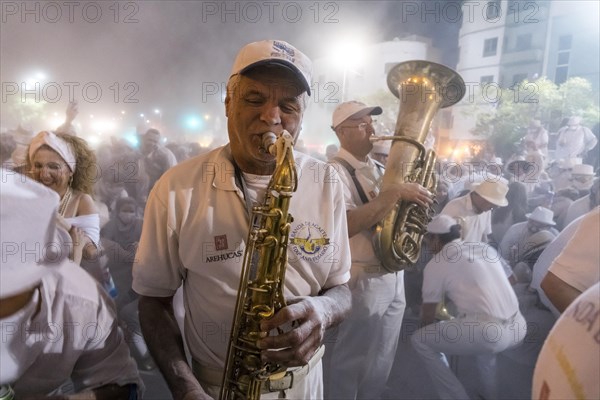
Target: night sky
(163,54)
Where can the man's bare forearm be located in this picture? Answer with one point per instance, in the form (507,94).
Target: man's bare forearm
(339,302)
(165,343)
(560,293)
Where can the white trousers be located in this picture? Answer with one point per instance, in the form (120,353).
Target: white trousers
(478,336)
(359,357)
(311,387)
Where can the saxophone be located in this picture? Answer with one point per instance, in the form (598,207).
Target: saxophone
(422,87)
(260,293)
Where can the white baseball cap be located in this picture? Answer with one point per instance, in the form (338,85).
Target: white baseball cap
(28,229)
(441,223)
(352,109)
(278,52)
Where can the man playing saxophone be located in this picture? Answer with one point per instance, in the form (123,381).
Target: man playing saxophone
(197,221)
(360,358)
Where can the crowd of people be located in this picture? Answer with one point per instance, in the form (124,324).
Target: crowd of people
(131,258)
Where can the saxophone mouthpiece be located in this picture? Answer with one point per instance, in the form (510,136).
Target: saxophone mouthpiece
(268,142)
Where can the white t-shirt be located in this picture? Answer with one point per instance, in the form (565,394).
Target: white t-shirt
(195,228)
(75,334)
(475,227)
(567,367)
(574,143)
(540,268)
(576,209)
(369,177)
(579,263)
(472,276)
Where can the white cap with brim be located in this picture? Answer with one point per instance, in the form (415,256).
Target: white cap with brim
(352,109)
(278,52)
(441,224)
(493,191)
(28,215)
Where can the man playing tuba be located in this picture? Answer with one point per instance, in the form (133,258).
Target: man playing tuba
(360,358)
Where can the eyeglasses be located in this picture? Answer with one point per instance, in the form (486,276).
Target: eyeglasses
(363,125)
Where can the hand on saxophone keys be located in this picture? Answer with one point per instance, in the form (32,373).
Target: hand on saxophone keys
(294,347)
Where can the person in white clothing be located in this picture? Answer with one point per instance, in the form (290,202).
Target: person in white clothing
(585,204)
(582,177)
(56,322)
(473,211)
(550,253)
(576,268)
(197,222)
(381,151)
(515,242)
(63,163)
(156,158)
(536,137)
(360,358)
(567,367)
(574,140)
(487,320)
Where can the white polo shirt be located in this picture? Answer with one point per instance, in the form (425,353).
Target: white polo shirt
(195,229)
(369,176)
(472,276)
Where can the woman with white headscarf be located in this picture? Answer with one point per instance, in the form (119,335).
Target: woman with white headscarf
(65,164)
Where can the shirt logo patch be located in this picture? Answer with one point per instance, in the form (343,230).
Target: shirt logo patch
(221,242)
(309,241)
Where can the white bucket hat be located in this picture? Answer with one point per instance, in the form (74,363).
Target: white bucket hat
(542,215)
(28,230)
(352,109)
(493,191)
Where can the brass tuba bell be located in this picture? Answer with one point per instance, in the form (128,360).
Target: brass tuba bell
(422,87)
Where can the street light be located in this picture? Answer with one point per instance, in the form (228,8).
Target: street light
(348,55)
